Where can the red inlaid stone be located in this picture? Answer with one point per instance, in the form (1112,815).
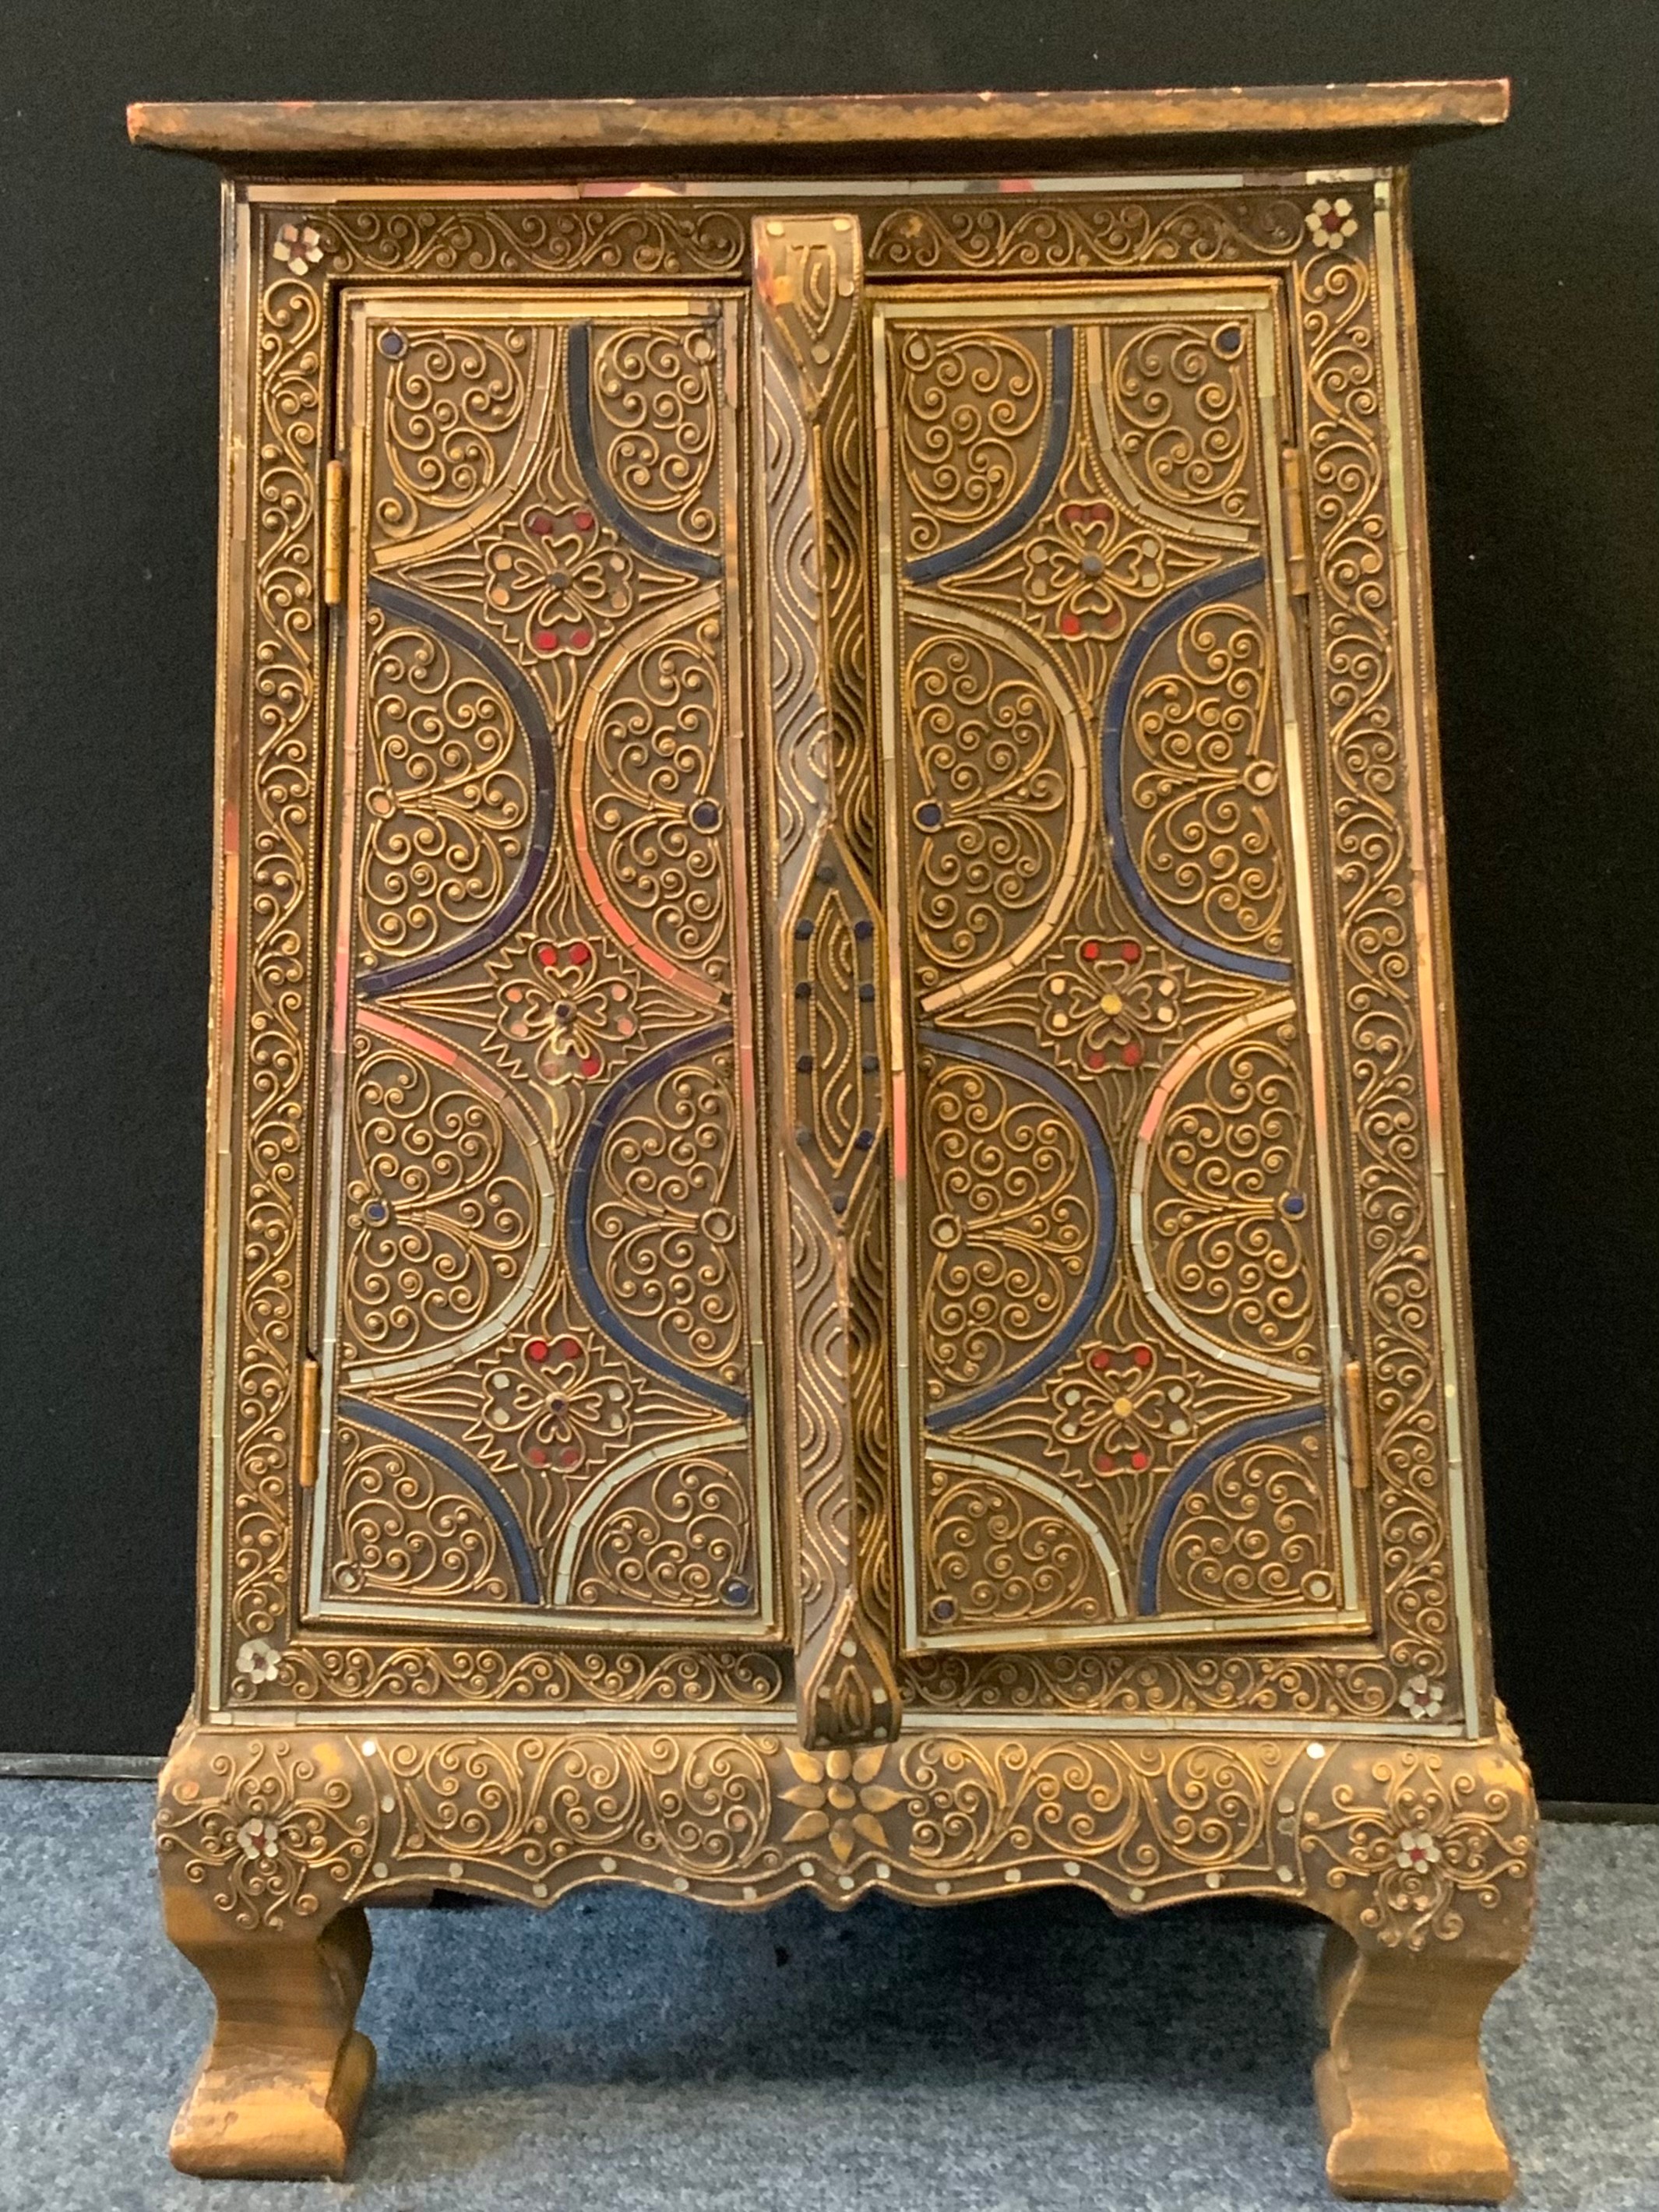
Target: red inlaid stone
(571,1457)
(582,518)
(1132,1055)
(536,1456)
(1140,1460)
(541,522)
(581,640)
(536,1349)
(1095,1060)
(1091,950)
(1069,625)
(545,640)
(1142,1355)
(548,955)
(1099,1357)
(567,1348)
(1130,950)
(580,953)
(591,1063)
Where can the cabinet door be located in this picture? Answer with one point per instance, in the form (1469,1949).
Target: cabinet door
(1117,1239)
(538,1320)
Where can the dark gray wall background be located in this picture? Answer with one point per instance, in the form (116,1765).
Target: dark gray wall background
(1537,259)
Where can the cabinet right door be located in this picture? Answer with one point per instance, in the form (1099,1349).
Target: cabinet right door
(1129,1405)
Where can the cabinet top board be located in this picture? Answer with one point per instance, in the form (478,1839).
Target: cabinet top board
(979,132)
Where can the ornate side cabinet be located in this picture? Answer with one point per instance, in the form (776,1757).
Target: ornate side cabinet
(835,1255)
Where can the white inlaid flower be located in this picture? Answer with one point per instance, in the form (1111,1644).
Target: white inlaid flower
(1330,221)
(1423,1698)
(259,1839)
(1416,1850)
(299,247)
(259,1660)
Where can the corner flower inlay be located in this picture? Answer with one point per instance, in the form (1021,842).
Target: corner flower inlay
(1423,1698)
(1331,222)
(258,1661)
(299,247)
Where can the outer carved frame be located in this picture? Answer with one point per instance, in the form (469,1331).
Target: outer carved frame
(1352,319)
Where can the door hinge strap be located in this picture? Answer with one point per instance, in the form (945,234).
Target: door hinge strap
(1359,1434)
(311,1404)
(1296,519)
(334,533)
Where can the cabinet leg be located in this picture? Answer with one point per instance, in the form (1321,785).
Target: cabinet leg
(1402,2094)
(279,2088)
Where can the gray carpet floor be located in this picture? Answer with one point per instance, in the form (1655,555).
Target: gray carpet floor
(632,2053)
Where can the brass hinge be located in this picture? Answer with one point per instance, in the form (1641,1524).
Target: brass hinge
(311,1406)
(1296,518)
(334,533)
(1359,1436)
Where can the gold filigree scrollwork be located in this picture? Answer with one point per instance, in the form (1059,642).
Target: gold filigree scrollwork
(521,1806)
(655,404)
(1009,1220)
(1202,782)
(1339,338)
(447,798)
(1144,1683)
(1229,1203)
(1000,1555)
(1150,1816)
(405,1527)
(675,1539)
(283,740)
(649,772)
(440,1216)
(1256,1534)
(626,240)
(1161,231)
(997,797)
(970,414)
(1178,399)
(666,1223)
(454,400)
(510,1676)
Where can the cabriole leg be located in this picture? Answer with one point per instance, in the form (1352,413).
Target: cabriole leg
(1402,2094)
(282,2082)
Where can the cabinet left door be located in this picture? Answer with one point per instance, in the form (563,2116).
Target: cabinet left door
(536,1304)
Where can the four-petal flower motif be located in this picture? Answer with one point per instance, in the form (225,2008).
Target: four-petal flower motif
(559,585)
(1416,1849)
(1423,1698)
(1126,1404)
(1081,575)
(566,1010)
(299,247)
(841,1799)
(554,1404)
(258,1661)
(1111,1003)
(1330,221)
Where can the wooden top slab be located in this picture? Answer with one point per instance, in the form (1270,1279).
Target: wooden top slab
(922,133)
